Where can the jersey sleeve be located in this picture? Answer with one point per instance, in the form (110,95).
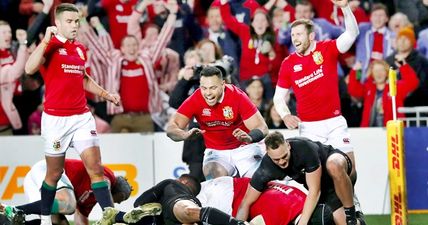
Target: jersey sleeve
(266,172)
(153,194)
(188,107)
(284,80)
(311,157)
(246,108)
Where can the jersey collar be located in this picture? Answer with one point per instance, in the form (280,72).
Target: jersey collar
(222,96)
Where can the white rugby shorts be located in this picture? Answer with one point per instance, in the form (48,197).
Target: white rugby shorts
(63,132)
(243,160)
(332,131)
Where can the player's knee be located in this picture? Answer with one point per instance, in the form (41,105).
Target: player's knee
(67,201)
(335,166)
(54,175)
(214,170)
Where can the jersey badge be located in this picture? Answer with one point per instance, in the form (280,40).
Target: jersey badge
(56,145)
(228,112)
(80,53)
(206,112)
(317,56)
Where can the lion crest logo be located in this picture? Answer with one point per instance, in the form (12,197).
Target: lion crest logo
(228,112)
(317,56)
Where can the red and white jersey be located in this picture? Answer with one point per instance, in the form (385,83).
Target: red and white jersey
(63,73)
(279,204)
(134,88)
(118,13)
(220,120)
(314,81)
(79,178)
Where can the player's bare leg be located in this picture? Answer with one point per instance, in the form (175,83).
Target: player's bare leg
(54,170)
(337,168)
(91,158)
(187,211)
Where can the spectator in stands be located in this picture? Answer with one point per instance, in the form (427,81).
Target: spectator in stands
(186,30)
(118,12)
(422,43)
(209,51)
(377,109)
(375,39)
(257,41)
(222,37)
(322,28)
(132,74)
(98,58)
(11,70)
(35,121)
(273,119)
(255,90)
(167,66)
(398,21)
(281,5)
(405,51)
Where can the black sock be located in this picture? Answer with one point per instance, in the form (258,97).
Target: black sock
(48,195)
(31,208)
(214,216)
(351,218)
(119,217)
(33,222)
(102,194)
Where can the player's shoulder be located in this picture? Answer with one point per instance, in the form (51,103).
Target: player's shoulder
(302,143)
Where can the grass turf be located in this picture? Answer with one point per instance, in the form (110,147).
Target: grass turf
(414,219)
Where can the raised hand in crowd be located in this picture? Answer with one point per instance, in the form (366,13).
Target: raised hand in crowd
(47,5)
(172,6)
(340,3)
(142,5)
(21,36)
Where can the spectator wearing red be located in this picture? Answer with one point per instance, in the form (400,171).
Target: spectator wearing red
(118,12)
(377,109)
(132,75)
(257,41)
(10,71)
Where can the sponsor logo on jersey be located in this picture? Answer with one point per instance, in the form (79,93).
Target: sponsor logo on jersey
(228,112)
(317,56)
(297,67)
(346,140)
(206,112)
(93,132)
(80,53)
